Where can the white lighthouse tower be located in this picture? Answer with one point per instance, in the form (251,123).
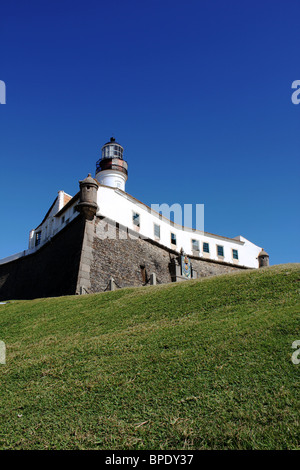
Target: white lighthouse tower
(111,169)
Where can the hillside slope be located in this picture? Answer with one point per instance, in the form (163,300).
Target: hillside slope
(204,364)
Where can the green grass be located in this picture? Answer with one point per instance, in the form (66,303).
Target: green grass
(204,364)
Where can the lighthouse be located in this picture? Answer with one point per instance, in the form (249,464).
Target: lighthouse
(111,169)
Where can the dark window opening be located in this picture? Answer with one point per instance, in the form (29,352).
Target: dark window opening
(157,230)
(195,245)
(220,250)
(205,247)
(173,239)
(136,219)
(38,236)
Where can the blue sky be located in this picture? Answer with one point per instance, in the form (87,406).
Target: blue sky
(197,92)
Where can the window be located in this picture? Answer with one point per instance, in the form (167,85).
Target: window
(220,250)
(136,219)
(38,236)
(235,254)
(157,231)
(195,245)
(173,239)
(63,219)
(112,151)
(205,247)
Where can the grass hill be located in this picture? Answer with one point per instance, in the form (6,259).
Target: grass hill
(204,364)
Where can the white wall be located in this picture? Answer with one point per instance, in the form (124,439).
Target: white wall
(120,207)
(52,224)
(112,178)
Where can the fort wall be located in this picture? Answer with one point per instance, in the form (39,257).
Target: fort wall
(120,253)
(49,272)
(85,254)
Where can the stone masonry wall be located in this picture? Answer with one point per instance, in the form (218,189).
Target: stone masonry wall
(84,255)
(51,271)
(115,255)
(122,259)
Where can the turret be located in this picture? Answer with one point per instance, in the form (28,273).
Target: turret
(88,197)
(111,169)
(263,259)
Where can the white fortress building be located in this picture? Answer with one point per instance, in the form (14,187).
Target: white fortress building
(131,234)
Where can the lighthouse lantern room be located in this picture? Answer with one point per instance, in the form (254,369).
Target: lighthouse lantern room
(111,169)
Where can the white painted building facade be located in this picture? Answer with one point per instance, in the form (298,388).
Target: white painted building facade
(121,208)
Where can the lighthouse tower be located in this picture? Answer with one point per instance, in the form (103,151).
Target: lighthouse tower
(111,169)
